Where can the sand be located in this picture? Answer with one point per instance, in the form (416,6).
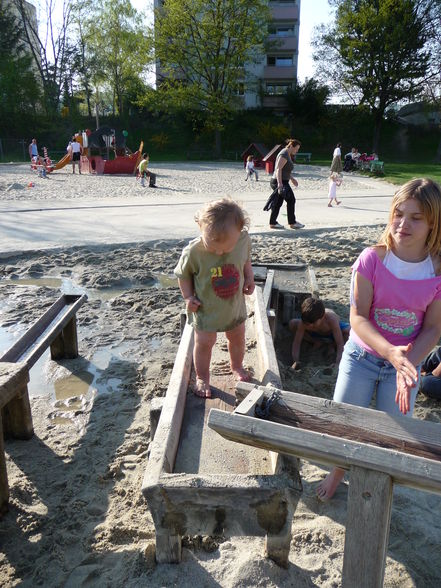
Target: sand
(77,516)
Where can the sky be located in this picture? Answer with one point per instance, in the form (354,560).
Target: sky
(312,13)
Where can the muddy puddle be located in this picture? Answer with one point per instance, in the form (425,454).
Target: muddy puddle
(102,366)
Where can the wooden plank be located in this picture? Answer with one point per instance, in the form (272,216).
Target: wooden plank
(367,528)
(4,487)
(248,405)
(313,281)
(412,436)
(269,283)
(281,266)
(415,472)
(44,331)
(13,376)
(165,444)
(269,366)
(17,416)
(259,273)
(289,304)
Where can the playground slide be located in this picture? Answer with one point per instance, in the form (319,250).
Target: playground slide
(64,161)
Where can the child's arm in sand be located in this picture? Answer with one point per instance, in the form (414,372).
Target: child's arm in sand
(334,323)
(295,349)
(187,289)
(248,278)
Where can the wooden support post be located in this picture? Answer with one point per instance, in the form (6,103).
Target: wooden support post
(17,416)
(70,338)
(277,546)
(289,304)
(4,488)
(65,345)
(367,528)
(168,546)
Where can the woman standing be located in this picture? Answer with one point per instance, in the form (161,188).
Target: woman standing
(336,165)
(280,180)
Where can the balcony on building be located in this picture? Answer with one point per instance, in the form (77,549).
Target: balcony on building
(274,72)
(284,11)
(284,43)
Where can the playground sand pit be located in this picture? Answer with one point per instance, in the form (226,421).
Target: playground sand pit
(77,516)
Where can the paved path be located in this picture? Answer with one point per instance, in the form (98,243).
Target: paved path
(162,214)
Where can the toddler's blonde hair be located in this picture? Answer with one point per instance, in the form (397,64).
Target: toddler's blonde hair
(428,194)
(217,217)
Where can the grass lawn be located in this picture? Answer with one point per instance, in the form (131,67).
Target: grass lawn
(399,173)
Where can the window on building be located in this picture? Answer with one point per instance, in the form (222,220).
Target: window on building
(240,89)
(277,89)
(280,60)
(281,31)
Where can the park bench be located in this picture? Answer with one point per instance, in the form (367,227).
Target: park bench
(56,328)
(377,166)
(306,157)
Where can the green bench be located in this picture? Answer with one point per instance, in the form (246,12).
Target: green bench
(306,157)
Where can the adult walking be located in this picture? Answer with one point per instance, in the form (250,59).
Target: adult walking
(283,174)
(336,165)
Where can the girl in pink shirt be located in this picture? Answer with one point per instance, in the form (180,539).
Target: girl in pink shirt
(395,310)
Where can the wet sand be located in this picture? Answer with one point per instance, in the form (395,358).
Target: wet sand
(77,516)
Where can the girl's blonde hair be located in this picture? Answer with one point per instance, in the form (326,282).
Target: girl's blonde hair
(219,216)
(428,194)
(250,158)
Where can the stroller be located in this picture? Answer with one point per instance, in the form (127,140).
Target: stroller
(348,163)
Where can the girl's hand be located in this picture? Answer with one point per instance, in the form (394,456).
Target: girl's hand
(295,182)
(397,356)
(402,397)
(248,285)
(192,303)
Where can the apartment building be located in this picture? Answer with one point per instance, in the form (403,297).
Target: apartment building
(267,82)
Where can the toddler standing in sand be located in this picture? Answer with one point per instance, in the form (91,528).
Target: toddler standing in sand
(334,180)
(214,272)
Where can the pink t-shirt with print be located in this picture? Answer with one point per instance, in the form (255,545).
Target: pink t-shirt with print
(398,306)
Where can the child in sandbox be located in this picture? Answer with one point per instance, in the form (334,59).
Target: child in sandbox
(318,325)
(214,272)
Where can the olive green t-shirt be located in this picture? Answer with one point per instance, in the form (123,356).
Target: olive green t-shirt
(218,284)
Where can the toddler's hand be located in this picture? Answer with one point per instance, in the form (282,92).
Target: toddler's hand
(248,286)
(192,303)
(296,365)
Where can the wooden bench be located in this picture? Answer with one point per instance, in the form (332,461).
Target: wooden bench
(306,157)
(56,328)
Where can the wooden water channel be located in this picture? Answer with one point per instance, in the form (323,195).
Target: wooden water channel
(200,480)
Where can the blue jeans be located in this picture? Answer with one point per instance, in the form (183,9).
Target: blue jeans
(362,374)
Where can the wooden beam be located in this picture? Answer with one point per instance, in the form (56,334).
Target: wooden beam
(367,528)
(165,444)
(313,282)
(270,373)
(415,472)
(412,436)
(269,283)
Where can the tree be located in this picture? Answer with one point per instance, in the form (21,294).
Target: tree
(49,47)
(117,50)
(202,47)
(308,100)
(19,92)
(374,53)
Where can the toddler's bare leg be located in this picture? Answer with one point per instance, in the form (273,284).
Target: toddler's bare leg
(326,489)
(203,345)
(236,348)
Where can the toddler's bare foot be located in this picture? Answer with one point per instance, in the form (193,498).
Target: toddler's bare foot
(327,487)
(242,374)
(202,388)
